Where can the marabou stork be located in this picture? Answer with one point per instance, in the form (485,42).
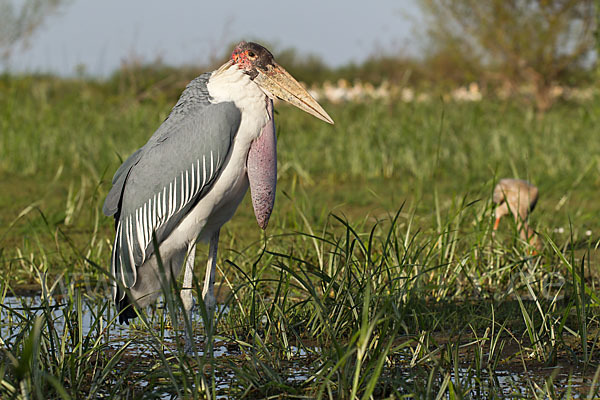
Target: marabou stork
(191,175)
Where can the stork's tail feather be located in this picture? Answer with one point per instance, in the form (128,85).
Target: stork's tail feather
(126,310)
(124,273)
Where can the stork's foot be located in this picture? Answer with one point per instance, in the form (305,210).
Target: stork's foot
(189,346)
(188,333)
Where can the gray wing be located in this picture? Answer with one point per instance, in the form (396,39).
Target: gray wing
(113,199)
(160,183)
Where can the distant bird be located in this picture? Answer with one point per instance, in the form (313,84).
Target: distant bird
(191,175)
(516,197)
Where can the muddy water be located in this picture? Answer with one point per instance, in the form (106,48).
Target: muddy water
(138,345)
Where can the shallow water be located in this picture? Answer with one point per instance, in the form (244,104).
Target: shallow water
(116,335)
(139,344)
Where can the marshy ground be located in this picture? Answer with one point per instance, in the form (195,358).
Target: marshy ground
(377,277)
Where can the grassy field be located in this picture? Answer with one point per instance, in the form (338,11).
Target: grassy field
(377,277)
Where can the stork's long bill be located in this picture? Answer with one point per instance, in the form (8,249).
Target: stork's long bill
(273,79)
(279,83)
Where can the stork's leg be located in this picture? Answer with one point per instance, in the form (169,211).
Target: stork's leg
(208,293)
(187,297)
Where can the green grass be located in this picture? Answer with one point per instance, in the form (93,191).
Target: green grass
(378,262)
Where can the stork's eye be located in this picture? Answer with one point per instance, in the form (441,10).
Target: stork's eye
(251,55)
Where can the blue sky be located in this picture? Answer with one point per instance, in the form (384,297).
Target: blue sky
(102,34)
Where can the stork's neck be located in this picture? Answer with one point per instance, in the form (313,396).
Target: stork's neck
(232,84)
